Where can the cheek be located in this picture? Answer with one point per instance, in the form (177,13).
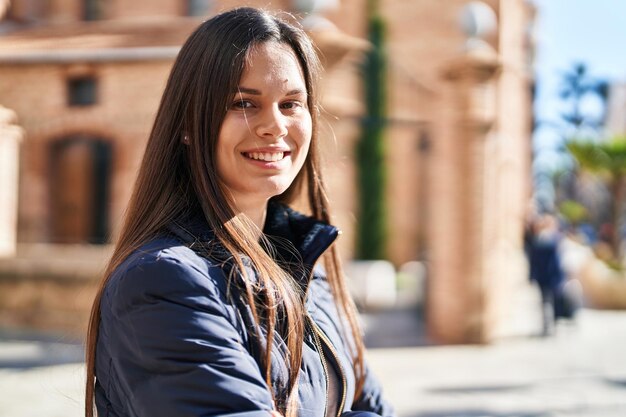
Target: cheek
(304,131)
(227,139)
(224,152)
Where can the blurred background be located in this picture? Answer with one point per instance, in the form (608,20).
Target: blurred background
(476,155)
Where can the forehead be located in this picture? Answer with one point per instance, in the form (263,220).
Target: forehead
(273,63)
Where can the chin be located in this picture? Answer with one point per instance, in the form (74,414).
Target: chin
(277,187)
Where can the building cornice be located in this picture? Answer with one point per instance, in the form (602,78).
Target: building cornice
(67,56)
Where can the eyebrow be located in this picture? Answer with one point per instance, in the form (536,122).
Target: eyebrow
(255,92)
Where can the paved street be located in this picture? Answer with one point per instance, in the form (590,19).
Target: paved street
(581,372)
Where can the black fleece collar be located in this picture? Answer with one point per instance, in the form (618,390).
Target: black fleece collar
(308,236)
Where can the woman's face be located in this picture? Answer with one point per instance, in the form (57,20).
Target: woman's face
(266,133)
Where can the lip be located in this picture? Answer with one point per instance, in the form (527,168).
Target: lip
(269,149)
(268,164)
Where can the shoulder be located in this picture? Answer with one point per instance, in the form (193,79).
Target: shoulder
(320,300)
(319,290)
(164,268)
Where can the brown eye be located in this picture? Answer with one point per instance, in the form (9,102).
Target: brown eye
(291,105)
(242,104)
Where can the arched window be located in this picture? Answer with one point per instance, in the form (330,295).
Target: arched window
(79,190)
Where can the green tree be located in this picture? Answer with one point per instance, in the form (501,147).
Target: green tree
(371,228)
(607,159)
(576,86)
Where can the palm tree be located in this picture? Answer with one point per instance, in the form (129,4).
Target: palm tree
(577,84)
(607,159)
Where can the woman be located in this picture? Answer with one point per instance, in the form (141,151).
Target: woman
(211,304)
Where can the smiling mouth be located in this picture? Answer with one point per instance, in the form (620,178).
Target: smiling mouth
(266,156)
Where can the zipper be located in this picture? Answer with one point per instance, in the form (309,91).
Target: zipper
(319,334)
(318,345)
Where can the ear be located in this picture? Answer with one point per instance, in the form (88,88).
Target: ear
(185,139)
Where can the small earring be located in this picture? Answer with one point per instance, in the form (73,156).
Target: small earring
(186,140)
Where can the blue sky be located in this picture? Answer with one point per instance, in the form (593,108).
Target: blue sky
(567,31)
(593,31)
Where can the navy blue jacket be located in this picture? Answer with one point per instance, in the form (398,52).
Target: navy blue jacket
(545,263)
(175,339)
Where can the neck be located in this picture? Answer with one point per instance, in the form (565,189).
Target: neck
(255,212)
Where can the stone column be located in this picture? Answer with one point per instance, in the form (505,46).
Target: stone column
(4,7)
(10,137)
(457,293)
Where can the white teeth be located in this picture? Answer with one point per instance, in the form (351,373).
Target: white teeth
(266,156)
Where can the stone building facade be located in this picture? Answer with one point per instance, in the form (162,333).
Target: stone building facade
(84,79)
(616,109)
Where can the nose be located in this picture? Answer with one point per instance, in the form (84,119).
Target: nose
(272,124)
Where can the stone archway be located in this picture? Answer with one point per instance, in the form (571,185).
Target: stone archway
(80,177)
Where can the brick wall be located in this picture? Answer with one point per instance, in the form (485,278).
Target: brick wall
(128,96)
(436,181)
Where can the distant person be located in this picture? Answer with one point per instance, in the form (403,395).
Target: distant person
(212,303)
(545,266)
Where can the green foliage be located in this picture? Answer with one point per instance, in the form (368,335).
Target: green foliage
(371,231)
(614,265)
(607,157)
(573,211)
(576,85)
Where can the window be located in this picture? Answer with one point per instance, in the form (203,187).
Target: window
(80,177)
(92,9)
(81,91)
(198,7)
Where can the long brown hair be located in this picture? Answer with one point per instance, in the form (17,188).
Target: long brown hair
(175,176)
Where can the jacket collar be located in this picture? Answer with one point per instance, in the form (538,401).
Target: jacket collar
(288,230)
(297,240)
